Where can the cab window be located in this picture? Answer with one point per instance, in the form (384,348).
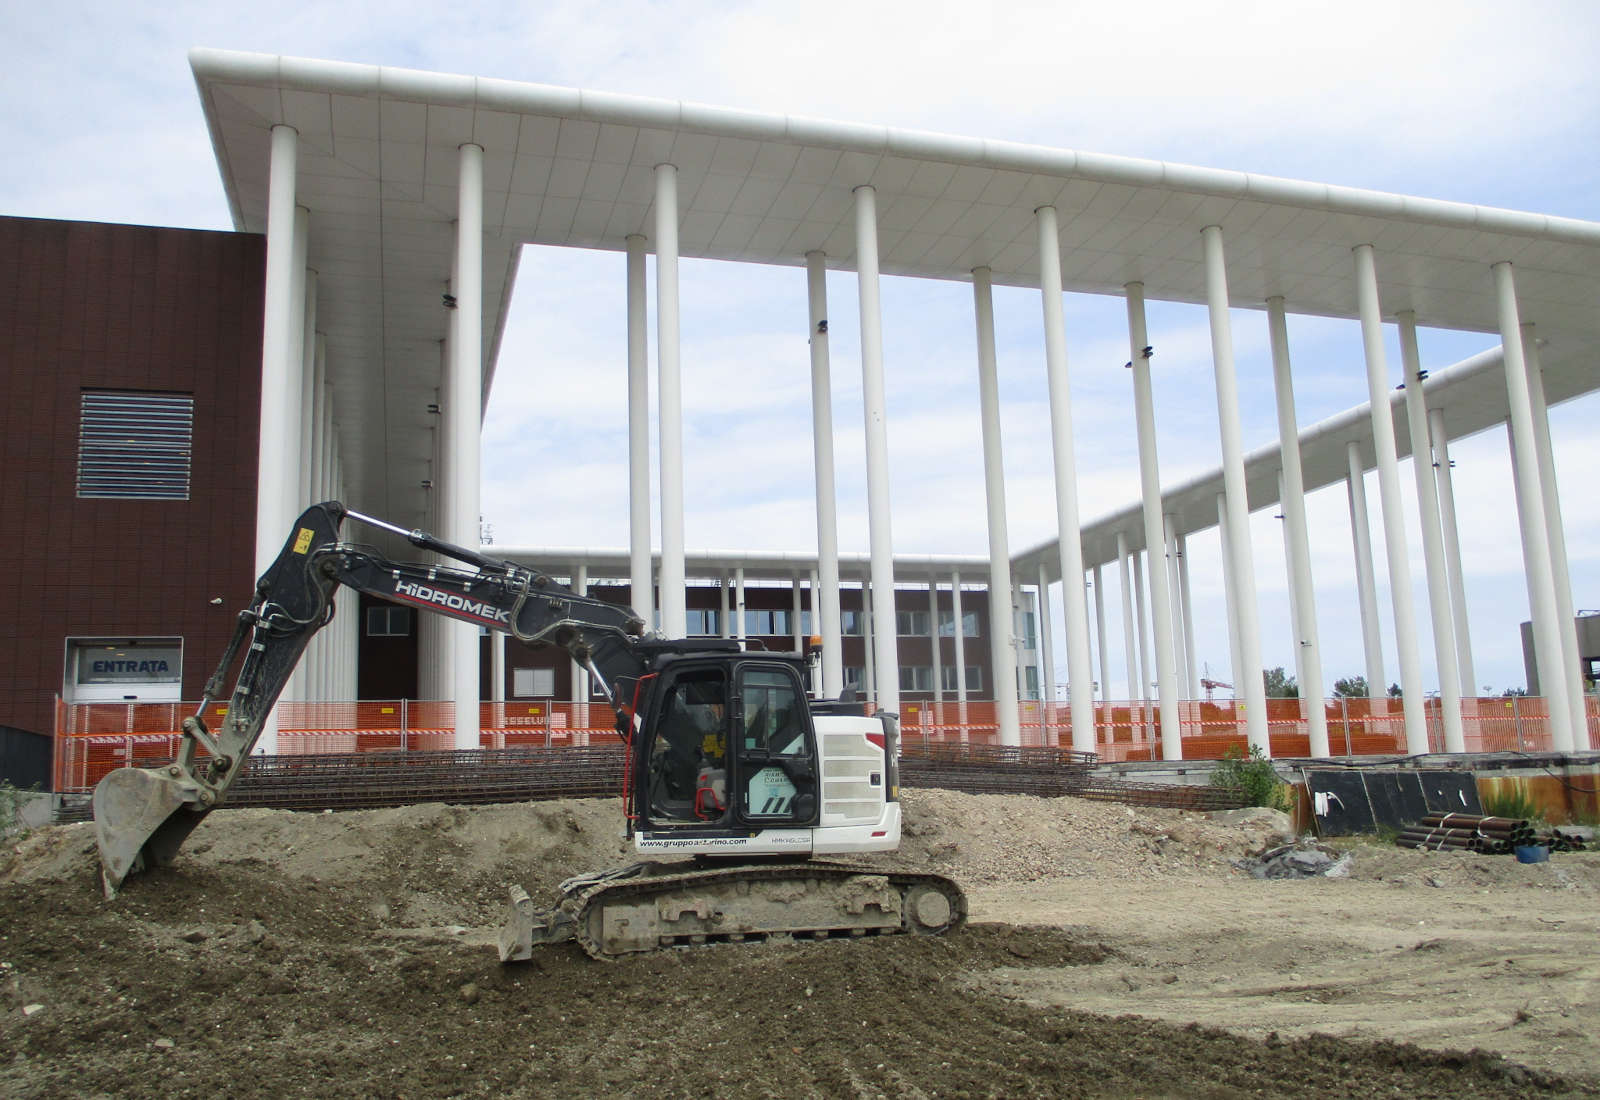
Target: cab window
(773,721)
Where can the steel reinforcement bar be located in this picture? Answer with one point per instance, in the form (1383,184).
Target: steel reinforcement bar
(371,780)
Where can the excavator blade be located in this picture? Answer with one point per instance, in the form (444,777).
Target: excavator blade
(141,817)
(527,925)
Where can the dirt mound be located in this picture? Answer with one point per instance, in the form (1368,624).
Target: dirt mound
(316,954)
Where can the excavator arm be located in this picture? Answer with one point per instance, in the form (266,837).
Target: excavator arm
(143,815)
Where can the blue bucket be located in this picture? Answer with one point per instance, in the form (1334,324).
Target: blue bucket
(1532,853)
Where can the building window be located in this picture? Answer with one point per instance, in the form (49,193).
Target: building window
(854,676)
(764,623)
(916,678)
(135,445)
(1030,676)
(1030,637)
(533,683)
(386,621)
(703,623)
(853,623)
(969,624)
(947,677)
(911,624)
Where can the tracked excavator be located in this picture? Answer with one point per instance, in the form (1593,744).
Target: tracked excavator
(730,766)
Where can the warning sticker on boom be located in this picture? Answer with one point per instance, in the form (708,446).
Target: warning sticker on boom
(302,540)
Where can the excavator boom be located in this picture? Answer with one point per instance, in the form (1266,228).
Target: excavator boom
(142,815)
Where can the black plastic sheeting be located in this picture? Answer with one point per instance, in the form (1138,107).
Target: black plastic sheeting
(24,758)
(1350,800)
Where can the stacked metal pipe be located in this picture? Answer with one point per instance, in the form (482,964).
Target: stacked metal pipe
(1468,832)
(1445,832)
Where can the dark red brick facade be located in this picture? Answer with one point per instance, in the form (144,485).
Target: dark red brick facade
(85,305)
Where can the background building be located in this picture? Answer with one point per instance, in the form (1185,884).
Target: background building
(130,374)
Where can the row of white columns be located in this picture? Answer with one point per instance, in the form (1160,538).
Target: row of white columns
(1544,550)
(290,370)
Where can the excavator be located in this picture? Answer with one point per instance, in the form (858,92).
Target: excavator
(729,760)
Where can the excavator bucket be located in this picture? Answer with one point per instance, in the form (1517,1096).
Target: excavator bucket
(141,817)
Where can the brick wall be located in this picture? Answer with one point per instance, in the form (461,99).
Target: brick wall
(86,305)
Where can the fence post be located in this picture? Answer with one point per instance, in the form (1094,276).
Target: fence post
(1516,718)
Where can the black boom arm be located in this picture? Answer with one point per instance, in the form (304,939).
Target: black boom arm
(142,815)
(294,599)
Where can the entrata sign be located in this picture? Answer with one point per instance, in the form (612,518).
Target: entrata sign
(129,664)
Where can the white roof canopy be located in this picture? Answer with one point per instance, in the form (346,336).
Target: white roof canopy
(378,163)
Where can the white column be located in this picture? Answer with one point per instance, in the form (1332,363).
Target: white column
(1100,635)
(1444,640)
(1080,666)
(1548,649)
(1141,626)
(278,350)
(1251,690)
(1560,575)
(725,619)
(1296,626)
(1366,574)
(1308,644)
(1452,550)
(464,410)
(1002,657)
(497,666)
(738,603)
(1169,526)
(875,412)
(961,640)
(674,618)
(580,676)
(1394,531)
(294,690)
(641,591)
(1130,638)
(308,674)
(825,609)
(1230,589)
(933,631)
(869,671)
(320,491)
(1047,669)
(816,632)
(1188,618)
(1166,668)
(1141,618)
(799,608)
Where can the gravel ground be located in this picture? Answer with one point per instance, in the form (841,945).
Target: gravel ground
(1113,952)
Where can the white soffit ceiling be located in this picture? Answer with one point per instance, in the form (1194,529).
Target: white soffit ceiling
(377,170)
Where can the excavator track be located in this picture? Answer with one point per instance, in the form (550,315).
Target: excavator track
(786,901)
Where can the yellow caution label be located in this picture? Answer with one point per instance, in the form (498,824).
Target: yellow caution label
(302,540)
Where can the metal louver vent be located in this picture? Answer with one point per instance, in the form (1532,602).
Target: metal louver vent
(135,445)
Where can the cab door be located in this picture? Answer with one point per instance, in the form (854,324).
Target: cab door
(774,747)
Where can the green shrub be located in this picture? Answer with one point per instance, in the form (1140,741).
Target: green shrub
(1254,776)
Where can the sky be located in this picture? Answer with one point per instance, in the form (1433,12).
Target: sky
(1490,103)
